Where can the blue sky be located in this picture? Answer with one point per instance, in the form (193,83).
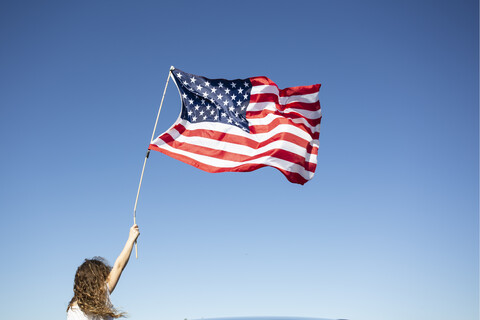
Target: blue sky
(387,229)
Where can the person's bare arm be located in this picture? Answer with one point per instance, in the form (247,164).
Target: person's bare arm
(122,259)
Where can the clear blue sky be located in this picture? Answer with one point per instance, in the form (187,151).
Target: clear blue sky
(387,229)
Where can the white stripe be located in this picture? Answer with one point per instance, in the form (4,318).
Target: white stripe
(308,98)
(259,106)
(265,89)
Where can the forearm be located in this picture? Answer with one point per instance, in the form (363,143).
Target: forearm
(122,258)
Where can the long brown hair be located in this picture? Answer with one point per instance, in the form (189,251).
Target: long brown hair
(90,289)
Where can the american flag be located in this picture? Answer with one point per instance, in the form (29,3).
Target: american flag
(243,125)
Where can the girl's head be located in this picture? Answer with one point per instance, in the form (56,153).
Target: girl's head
(90,288)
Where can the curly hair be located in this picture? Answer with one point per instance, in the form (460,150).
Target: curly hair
(90,289)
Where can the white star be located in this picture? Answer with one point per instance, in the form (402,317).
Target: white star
(184,96)
(204,117)
(233,97)
(216,117)
(212,112)
(192,80)
(224,114)
(190,101)
(202,112)
(199,87)
(214,89)
(245,84)
(208,107)
(203,101)
(240,90)
(194,119)
(225,102)
(220,85)
(245,96)
(231,109)
(179,75)
(219,108)
(230,120)
(207,84)
(205,94)
(233,85)
(243,108)
(239,103)
(220,96)
(227,91)
(185,83)
(197,107)
(190,112)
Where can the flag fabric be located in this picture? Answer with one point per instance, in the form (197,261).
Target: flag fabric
(244,124)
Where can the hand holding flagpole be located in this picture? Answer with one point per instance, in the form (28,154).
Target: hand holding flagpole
(146,157)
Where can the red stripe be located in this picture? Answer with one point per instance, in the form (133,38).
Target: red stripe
(241,140)
(260,81)
(291,176)
(304,105)
(296,91)
(292,91)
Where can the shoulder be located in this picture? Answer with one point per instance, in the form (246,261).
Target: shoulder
(74,313)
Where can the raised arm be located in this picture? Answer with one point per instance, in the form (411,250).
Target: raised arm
(122,259)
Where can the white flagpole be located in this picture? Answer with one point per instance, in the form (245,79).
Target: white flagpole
(146,156)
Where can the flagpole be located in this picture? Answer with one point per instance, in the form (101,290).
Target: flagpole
(146,156)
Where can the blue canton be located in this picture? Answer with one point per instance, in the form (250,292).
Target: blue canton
(213,100)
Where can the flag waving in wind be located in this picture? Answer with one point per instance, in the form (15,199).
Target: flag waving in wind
(243,125)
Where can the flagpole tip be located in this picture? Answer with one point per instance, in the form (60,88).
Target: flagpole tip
(172,68)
